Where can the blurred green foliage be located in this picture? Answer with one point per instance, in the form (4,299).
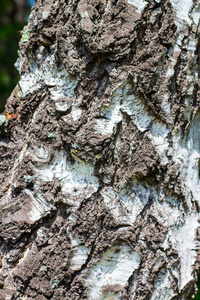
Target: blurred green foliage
(197,297)
(9,38)
(12,20)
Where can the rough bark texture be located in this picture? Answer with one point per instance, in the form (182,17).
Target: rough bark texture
(100,153)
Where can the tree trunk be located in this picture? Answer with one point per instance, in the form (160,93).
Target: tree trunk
(100,153)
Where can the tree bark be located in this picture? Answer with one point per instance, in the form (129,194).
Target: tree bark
(100,153)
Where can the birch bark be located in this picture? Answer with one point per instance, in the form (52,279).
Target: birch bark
(100,153)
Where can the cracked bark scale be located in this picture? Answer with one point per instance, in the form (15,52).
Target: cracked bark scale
(100,152)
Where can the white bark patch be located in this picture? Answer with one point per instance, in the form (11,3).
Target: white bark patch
(45,71)
(196,13)
(132,105)
(39,206)
(114,268)
(128,204)
(125,212)
(158,135)
(62,106)
(76,113)
(45,14)
(163,290)
(77,180)
(139,4)
(182,9)
(174,53)
(143,118)
(79,254)
(111,116)
(183,240)
(39,155)
(168,214)
(186,153)
(16,164)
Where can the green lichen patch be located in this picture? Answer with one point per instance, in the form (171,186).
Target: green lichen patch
(28,178)
(25,34)
(43,268)
(1,208)
(75,146)
(54,283)
(3,120)
(37,185)
(19,94)
(51,135)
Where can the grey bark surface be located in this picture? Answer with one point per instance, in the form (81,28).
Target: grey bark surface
(100,153)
